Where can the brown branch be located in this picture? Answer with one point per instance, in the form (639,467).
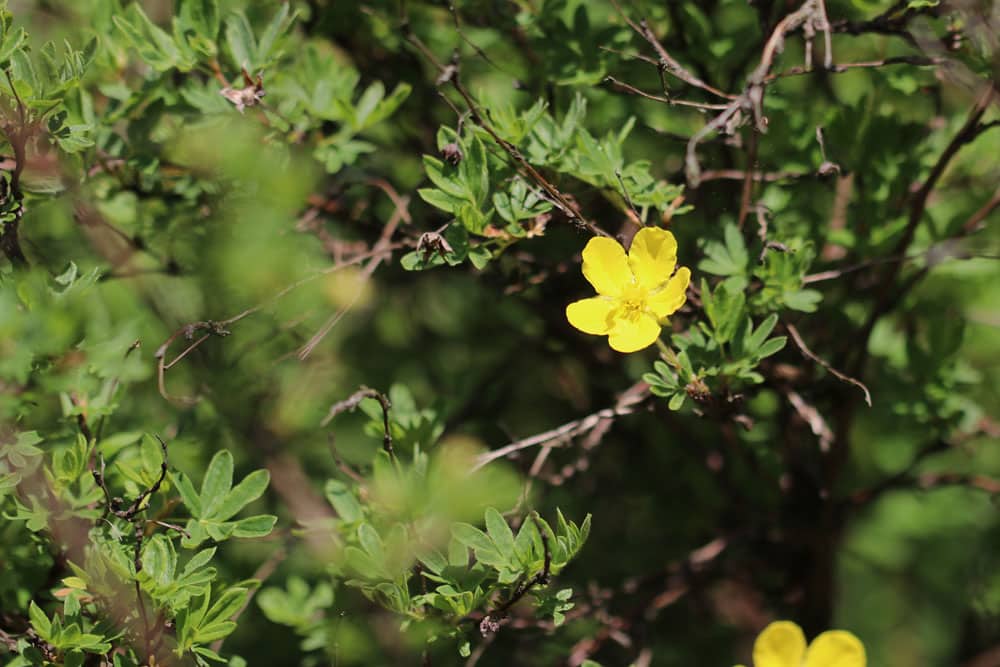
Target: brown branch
(381,252)
(974,223)
(765,177)
(350,403)
(967,133)
(632,90)
(627,403)
(667,62)
(219,327)
(909,479)
(893,21)
(798,70)
(812,416)
(811,13)
(889,295)
(809,354)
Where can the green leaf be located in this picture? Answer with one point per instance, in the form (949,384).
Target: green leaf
(440,199)
(341,497)
(199,560)
(244,493)
(159,559)
(475,172)
(371,542)
(39,621)
(217,482)
(729,258)
(501,534)
(255,526)
(771,347)
(202,16)
(389,105)
(154,45)
(278,26)
(189,496)
(11,44)
(480,256)
(472,537)
(366,105)
(211,632)
(762,332)
(227,605)
(241,42)
(724,309)
(445,177)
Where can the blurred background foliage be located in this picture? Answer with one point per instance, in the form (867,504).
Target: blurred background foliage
(342,217)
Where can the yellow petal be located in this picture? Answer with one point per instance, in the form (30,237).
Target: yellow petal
(781,644)
(672,296)
(836,648)
(592,315)
(631,334)
(605,266)
(652,256)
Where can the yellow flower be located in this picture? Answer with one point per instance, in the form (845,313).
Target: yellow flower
(635,294)
(782,644)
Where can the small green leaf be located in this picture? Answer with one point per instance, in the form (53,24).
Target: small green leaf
(217,483)
(211,632)
(241,42)
(227,605)
(189,496)
(39,621)
(501,534)
(472,537)
(343,501)
(254,526)
(371,542)
(202,16)
(771,347)
(248,490)
(199,560)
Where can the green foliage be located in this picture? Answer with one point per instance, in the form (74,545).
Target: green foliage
(219,218)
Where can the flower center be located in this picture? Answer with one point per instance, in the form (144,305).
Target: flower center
(633,303)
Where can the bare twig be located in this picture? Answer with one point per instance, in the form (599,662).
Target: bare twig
(350,403)
(627,403)
(667,62)
(751,101)
(806,352)
(381,252)
(812,416)
(840,68)
(672,101)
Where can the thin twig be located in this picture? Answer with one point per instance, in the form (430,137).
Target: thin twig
(628,403)
(672,101)
(350,403)
(666,61)
(806,352)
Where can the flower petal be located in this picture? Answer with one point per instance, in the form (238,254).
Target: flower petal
(592,315)
(672,296)
(629,335)
(605,266)
(652,256)
(836,648)
(781,644)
